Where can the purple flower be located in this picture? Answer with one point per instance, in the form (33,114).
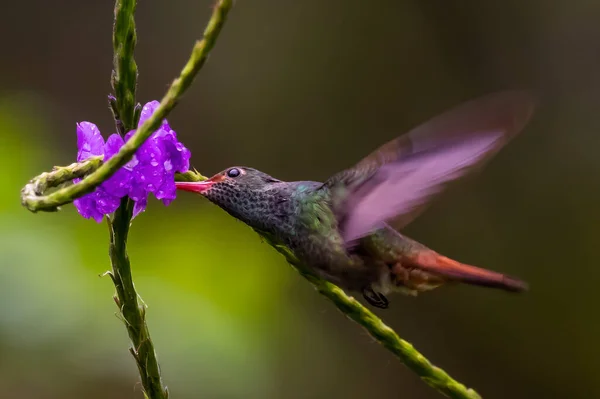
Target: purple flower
(151,170)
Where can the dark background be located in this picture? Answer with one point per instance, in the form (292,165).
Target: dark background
(302,89)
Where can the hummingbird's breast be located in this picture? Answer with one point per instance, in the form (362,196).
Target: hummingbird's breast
(302,219)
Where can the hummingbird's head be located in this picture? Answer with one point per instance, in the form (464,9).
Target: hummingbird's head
(239,190)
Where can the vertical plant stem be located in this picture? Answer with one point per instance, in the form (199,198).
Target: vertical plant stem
(124,74)
(134,314)
(124,82)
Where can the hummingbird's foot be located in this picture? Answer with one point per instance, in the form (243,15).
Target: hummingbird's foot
(376,299)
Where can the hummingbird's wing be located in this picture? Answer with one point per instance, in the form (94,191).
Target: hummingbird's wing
(398,180)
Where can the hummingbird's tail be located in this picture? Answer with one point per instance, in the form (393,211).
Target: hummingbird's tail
(451,270)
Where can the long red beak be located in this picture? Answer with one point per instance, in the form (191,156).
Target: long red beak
(194,187)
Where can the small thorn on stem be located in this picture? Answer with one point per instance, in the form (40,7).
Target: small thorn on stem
(137,112)
(134,354)
(112,103)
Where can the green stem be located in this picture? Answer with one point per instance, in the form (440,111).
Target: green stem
(197,59)
(432,375)
(133,314)
(59,175)
(124,75)
(65,174)
(124,82)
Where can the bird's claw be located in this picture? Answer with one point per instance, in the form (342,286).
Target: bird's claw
(376,299)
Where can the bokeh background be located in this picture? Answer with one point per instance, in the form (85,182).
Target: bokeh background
(302,89)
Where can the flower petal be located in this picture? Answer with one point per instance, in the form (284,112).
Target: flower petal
(148,110)
(167,190)
(140,206)
(89,141)
(180,156)
(113,145)
(106,203)
(86,206)
(119,184)
(148,176)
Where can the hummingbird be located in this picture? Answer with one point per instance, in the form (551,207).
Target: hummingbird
(346,229)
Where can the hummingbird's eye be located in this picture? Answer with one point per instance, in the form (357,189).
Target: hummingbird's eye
(233,172)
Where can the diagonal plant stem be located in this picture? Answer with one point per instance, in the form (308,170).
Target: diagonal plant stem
(59,175)
(433,376)
(197,59)
(437,378)
(65,174)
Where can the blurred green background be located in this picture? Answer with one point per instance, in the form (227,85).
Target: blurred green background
(302,90)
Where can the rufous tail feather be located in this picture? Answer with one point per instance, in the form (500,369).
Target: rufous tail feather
(443,266)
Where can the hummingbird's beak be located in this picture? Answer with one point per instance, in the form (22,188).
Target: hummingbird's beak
(199,187)
(194,187)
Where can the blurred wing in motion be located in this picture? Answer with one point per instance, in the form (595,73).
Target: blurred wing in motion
(399,179)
